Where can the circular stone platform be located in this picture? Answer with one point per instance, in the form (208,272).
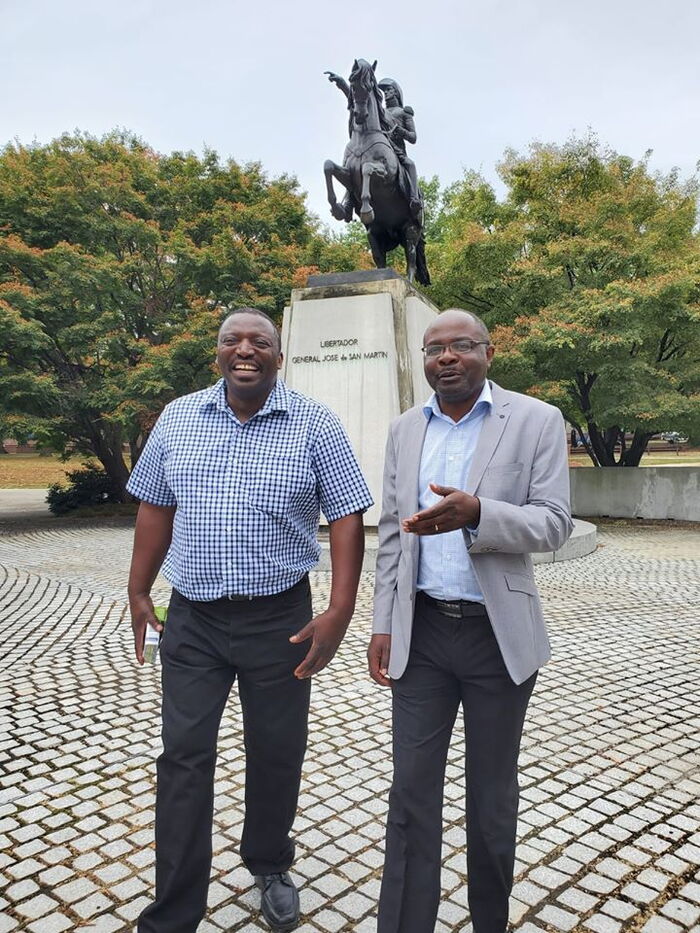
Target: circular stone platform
(581,542)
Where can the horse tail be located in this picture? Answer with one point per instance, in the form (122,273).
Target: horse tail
(422,273)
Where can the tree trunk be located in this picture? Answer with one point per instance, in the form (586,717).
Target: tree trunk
(136,446)
(583,437)
(604,443)
(600,442)
(106,441)
(639,444)
(134,453)
(580,390)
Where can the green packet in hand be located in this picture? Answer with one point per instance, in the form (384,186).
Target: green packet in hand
(151,642)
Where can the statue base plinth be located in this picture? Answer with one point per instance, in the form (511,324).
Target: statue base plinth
(352,341)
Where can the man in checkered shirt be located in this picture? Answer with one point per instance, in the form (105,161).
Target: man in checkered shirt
(231,482)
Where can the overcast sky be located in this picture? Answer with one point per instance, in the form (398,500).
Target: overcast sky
(246,79)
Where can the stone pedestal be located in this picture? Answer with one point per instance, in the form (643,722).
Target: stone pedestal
(352,341)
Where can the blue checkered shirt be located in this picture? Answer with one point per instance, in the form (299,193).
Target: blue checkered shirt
(248,495)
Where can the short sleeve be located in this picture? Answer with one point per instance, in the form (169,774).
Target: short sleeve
(148,481)
(342,487)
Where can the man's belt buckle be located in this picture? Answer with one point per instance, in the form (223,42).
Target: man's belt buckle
(236,598)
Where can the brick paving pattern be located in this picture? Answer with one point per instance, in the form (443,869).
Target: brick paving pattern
(610,767)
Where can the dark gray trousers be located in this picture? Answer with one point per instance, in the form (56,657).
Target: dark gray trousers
(205,648)
(452,662)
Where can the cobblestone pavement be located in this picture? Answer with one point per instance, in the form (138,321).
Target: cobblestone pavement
(609,828)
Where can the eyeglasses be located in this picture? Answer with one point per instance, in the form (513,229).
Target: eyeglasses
(457,346)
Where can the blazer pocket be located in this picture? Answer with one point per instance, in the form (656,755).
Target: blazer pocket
(520,604)
(501,468)
(503,482)
(519,583)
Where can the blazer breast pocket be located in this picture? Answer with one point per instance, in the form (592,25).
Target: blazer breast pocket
(501,481)
(500,468)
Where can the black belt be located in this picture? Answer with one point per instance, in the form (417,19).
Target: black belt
(243,598)
(239,598)
(454,608)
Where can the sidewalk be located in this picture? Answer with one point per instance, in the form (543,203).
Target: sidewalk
(610,822)
(23,505)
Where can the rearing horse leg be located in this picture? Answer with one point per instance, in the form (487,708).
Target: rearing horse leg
(411,235)
(378,252)
(332,170)
(368,170)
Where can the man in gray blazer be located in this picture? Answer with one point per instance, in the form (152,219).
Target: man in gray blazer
(474,482)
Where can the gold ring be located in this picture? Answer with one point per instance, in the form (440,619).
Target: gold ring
(436,528)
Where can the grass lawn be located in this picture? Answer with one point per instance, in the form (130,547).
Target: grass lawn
(685,457)
(30,471)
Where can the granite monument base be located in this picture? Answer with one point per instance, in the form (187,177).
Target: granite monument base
(353,341)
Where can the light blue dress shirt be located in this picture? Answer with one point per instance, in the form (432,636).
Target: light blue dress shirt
(445,570)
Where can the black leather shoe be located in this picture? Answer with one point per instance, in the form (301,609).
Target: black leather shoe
(279,901)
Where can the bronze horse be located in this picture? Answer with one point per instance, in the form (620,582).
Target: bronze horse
(372,174)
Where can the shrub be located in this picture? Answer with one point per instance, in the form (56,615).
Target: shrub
(89,486)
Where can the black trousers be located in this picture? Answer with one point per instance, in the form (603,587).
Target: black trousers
(206,646)
(452,662)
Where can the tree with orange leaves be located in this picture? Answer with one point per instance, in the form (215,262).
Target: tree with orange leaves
(116,264)
(588,275)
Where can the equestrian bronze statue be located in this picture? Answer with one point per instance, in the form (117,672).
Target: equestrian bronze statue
(380,180)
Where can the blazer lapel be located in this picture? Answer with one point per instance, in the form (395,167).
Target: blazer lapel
(491,431)
(408,496)
(416,430)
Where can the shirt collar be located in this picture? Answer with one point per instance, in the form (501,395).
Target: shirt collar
(277,400)
(484,401)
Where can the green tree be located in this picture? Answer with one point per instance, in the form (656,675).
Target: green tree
(115,266)
(588,275)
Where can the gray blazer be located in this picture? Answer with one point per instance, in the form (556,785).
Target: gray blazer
(520,474)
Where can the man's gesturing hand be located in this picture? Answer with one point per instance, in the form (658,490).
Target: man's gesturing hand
(142,614)
(326,632)
(456,509)
(378,659)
